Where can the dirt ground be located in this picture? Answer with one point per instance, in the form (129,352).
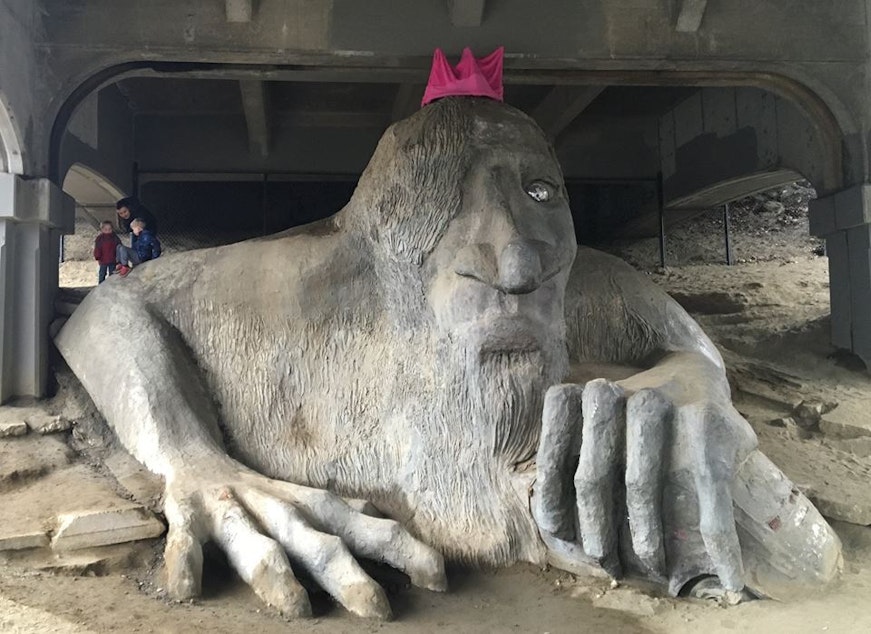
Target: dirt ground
(769,316)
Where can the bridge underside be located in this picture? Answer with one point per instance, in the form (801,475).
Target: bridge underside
(249,117)
(195,132)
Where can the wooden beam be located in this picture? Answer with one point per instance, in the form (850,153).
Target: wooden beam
(466,12)
(255,103)
(406,102)
(690,17)
(562,105)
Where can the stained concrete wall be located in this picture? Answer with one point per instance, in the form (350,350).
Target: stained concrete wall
(105,138)
(19,84)
(33,213)
(731,134)
(601,147)
(10,144)
(220,143)
(844,220)
(209,213)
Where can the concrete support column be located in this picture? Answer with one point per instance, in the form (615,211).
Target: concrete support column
(33,215)
(844,220)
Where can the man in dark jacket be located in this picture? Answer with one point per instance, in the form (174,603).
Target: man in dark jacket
(144,246)
(130,208)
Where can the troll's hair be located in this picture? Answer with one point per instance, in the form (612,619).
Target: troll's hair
(412,187)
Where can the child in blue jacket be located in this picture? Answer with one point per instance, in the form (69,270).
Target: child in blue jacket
(144,246)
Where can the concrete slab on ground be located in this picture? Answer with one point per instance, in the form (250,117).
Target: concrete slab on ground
(98,527)
(36,505)
(35,418)
(24,540)
(44,423)
(17,414)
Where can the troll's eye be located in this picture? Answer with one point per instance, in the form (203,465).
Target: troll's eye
(541,191)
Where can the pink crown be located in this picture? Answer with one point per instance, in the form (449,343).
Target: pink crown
(472,77)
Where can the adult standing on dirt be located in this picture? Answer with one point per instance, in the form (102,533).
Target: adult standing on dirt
(129,208)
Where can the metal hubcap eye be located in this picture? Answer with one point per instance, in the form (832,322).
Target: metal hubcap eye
(540,191)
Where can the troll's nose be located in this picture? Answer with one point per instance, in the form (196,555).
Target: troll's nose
(519,268)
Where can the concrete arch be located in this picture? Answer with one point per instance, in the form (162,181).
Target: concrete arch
(723,143)
(93,192)
(830,119)
(11,159)
(737,187)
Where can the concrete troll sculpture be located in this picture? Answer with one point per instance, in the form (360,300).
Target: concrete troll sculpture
(442,349)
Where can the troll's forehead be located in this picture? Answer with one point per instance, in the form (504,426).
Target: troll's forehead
(412,187)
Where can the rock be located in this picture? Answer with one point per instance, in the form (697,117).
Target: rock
(43,423)
(88,529)
(792,427)
(773,206)
(808,414)
(12,428)
(841,510)
(21,541)
(855,538)
(797,431)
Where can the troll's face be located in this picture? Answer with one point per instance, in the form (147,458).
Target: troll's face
(466,203)
(496,278)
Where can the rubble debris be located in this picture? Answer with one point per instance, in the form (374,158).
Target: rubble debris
(808,414)
(43,423)
(12,428)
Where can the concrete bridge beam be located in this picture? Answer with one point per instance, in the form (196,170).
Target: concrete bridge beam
(466,13)
(561,106)
(690,17)
(844,220)
(33,215)
(255,102)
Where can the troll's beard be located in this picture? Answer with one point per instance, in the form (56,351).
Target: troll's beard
(480,422)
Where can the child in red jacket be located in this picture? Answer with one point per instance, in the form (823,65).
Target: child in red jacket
(104,250)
